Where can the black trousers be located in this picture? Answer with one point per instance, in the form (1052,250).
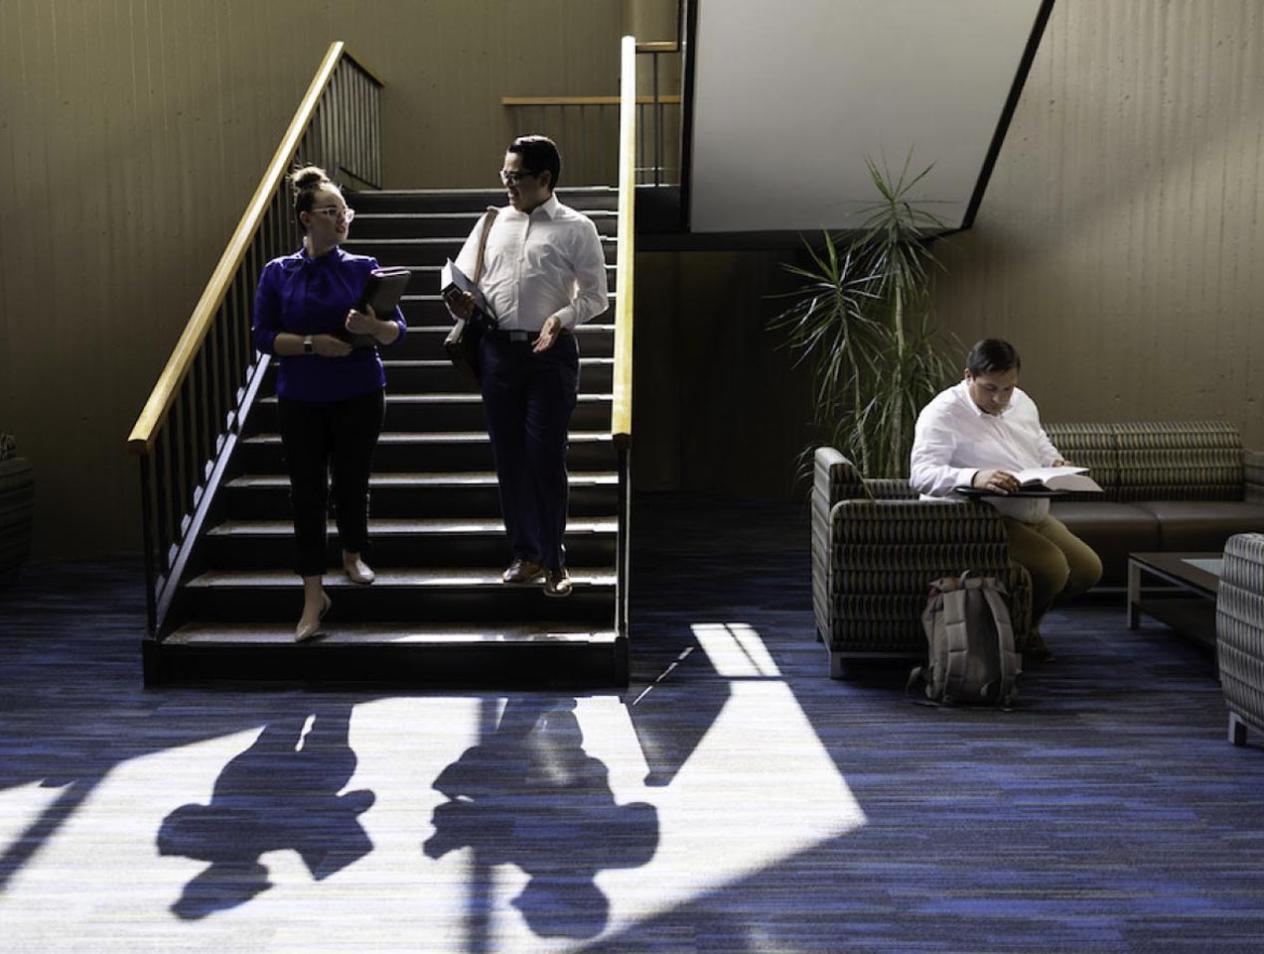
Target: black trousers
(528,399)
(320,440)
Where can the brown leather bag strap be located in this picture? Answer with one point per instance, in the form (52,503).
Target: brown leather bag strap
(488,218)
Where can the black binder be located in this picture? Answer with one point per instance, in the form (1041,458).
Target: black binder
(383,291)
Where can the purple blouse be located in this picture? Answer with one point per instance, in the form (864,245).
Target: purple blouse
(311,296)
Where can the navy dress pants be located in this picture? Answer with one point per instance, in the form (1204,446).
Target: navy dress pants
(528,399)
(320,439)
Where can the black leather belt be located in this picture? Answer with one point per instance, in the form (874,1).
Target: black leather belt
(521,335)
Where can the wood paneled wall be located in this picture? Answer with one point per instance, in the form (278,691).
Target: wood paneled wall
(134,131)
(1120,242)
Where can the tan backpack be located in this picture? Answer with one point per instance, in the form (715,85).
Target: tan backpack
(970,643)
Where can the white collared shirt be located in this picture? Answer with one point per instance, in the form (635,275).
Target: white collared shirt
(955,439)
(548,262)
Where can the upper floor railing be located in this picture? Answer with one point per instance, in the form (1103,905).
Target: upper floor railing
(192,418)
(582,125)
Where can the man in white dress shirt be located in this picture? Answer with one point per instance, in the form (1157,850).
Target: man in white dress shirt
(544,272)
(978,433)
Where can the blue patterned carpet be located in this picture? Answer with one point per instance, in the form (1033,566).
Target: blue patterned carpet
(734,799)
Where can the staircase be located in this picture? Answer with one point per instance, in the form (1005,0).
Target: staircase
(438,612)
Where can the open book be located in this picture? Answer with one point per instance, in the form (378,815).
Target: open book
(1057,478)
(453,282)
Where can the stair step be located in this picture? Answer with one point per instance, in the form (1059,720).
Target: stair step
(379,527)
(430,251)
(411,594)
(432,542)
(439,375)
(492,654)
(420,494)
(425,278)
(583,199)
(426,307)
(410,225)
(425,341)
(448,411)
(397,634)
(479,578)
(442,450)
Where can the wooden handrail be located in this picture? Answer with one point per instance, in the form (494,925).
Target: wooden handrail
(666,100)
(658,46)
(177,368)
(621,413)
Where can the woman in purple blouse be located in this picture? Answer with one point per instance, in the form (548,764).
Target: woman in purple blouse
(330,396)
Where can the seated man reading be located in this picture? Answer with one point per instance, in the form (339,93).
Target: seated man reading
(978,433)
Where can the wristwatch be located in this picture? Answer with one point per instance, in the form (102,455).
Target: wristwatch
(309,347)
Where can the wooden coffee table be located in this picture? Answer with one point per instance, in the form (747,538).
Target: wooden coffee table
(1188,603)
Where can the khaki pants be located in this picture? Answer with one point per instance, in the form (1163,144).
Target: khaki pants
(1060,563)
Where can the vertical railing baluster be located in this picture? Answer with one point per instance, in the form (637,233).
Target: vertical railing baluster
(147,540)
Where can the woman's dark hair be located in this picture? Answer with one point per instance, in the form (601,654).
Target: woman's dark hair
(305,182)
(992,356)
(539,154)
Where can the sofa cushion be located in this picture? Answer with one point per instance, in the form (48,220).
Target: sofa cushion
(1113,530)
(1203,524)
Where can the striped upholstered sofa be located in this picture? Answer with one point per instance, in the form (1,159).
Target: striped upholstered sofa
(1185,485)
(1170,485)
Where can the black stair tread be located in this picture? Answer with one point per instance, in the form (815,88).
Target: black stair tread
(471,216)
(405,299)
(444,363)
(402,633)
(587,328)
(445,437)
(394,526)
(481,578)
(456,397)
(465,478)
(606,240)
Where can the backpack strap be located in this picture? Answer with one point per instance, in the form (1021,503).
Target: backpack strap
(958,640)
(1011,665)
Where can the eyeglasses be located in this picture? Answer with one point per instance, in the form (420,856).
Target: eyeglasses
(509,175)
(332,212)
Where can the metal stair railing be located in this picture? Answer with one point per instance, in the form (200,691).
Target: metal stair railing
(190,424)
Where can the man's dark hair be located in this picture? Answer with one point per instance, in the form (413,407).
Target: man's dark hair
(992,356)
(539,154)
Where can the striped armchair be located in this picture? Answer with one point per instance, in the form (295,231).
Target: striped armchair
(875,549)
(1240,633)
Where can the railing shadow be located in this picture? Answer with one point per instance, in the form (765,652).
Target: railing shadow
(283,792)
(531,796)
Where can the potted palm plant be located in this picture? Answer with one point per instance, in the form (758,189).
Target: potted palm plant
(862,319)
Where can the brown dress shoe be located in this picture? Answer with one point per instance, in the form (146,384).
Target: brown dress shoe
(1037,650)
(558,583)
(523,571)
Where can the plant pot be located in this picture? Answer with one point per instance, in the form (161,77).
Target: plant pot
(17,513)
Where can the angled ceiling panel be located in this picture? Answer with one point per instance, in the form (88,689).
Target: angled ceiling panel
(789,98)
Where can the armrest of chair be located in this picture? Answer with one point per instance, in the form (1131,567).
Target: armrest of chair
(889,488)
(1253,471)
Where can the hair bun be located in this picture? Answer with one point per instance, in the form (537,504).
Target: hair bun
(307,177)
